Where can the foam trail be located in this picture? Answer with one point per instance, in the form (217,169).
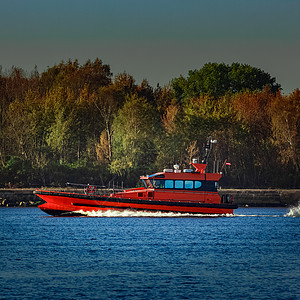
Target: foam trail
(273,216)
(294,212)
(139,214)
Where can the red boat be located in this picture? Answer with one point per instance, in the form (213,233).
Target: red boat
(173,190)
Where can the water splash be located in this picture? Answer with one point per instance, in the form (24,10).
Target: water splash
(294,212)
(140,214)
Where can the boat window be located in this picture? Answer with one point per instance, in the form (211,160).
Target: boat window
(144,183)
(148,183)
(178,184)
(198,184)
(158,183)
(160,176)
(188,184)
(181,184)
(169,184)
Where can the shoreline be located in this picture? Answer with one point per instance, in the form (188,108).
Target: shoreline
(264,197)
(24,197)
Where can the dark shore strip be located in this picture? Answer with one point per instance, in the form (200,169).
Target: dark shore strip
(242,197)
(264,197)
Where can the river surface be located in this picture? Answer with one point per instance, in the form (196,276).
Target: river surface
(254,254)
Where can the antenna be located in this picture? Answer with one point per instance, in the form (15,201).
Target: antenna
(208,147)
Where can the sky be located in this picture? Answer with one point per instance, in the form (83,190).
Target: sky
(157,40)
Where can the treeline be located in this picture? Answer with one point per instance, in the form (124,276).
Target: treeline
(78,123)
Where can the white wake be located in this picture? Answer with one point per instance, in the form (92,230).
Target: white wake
(147,214)
(294,212)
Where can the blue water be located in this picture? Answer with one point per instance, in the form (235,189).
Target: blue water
(253,255)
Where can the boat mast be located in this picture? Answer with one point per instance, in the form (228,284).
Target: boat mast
(208,147)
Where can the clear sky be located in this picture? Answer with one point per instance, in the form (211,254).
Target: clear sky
(155,39)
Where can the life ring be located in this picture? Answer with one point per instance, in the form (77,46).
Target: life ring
(90,189)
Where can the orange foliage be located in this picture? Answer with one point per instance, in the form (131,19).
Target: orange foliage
(285,114)
(103,148)
(253,109)
(169,118)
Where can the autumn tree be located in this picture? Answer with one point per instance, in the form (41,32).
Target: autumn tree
(205,116)
(285,122)
(125,84)
(75,76)
(164,97)
(257,158)
(107,102)
(77,122)
(172,141)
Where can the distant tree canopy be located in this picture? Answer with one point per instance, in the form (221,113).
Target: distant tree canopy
(215,80)
(71,74)
(78,123)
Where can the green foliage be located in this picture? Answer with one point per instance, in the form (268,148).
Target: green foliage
(74,123)
(18,171)
(135,127)
(215,80)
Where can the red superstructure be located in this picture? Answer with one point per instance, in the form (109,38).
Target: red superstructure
(173,190)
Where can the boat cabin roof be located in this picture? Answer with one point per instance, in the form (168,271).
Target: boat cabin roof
(197,174)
